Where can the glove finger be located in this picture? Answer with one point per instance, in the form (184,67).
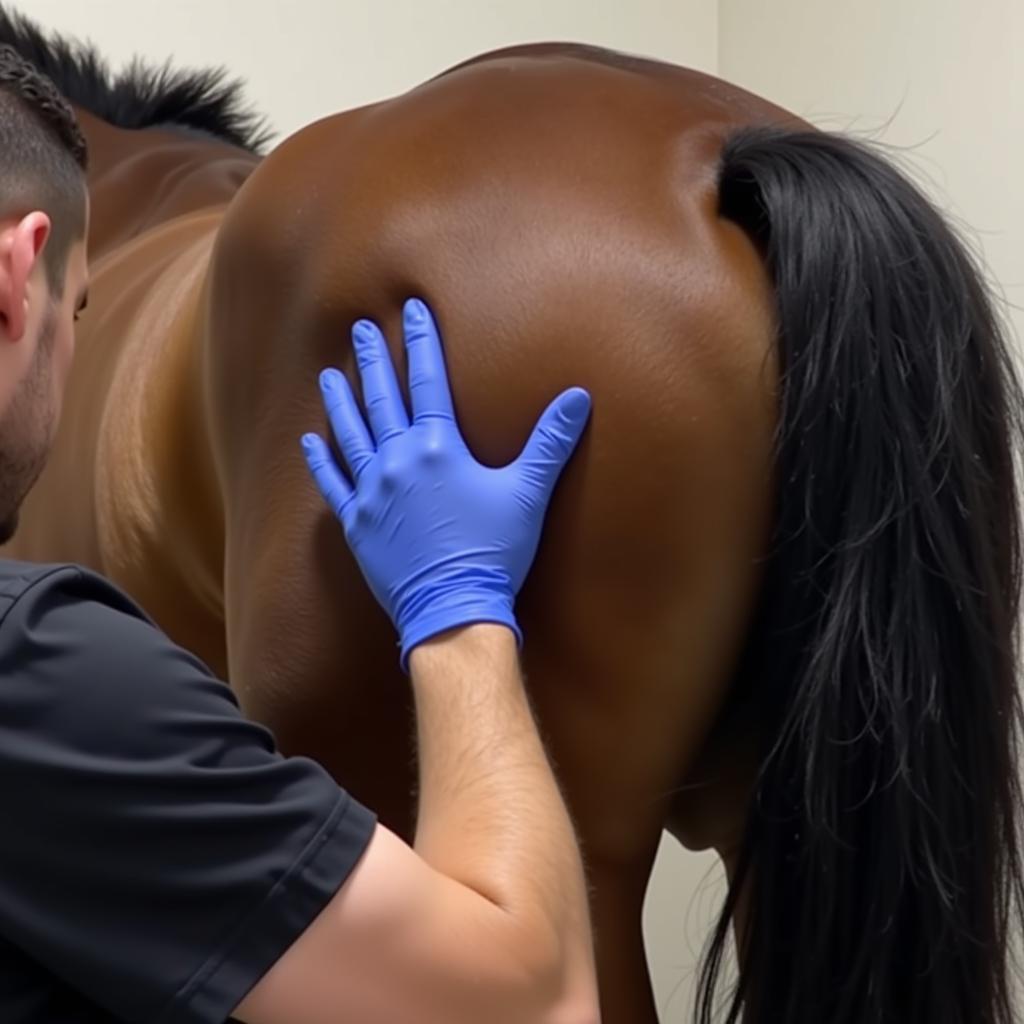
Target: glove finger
(384,406)
(347,423)
(330,481)
(554,438)
(428,380)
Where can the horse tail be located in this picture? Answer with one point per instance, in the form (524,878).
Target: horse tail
(880,868)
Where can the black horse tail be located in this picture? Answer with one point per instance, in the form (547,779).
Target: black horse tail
(880,867)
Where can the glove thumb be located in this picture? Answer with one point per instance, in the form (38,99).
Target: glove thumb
(554,439)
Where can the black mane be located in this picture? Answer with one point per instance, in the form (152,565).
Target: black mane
(141,96)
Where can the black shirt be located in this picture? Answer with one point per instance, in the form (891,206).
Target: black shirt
(157,854)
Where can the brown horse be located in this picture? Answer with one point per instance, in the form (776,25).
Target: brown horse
(793,474)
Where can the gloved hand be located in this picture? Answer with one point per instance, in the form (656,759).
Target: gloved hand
(442,540)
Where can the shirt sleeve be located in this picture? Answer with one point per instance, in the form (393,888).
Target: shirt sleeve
(158,854)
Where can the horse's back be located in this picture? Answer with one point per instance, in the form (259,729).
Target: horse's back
(133,293)
(107,498)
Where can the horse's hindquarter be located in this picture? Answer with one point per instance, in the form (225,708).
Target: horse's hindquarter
(564,228)
(561,220)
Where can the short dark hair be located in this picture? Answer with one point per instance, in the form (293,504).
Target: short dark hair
(43,158)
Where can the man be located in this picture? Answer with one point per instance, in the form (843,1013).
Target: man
(160,860)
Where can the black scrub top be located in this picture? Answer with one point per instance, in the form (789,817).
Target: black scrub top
(157,853)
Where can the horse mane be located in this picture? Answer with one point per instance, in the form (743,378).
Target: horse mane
(142,95)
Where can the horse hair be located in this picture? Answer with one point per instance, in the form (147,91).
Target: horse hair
(880,865)
(141,96)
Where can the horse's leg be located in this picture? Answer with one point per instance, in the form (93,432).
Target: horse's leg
(636,757)
(616,906)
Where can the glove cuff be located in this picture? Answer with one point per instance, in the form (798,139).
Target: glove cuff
(462,610)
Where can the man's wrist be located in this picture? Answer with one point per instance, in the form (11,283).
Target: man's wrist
(488,642)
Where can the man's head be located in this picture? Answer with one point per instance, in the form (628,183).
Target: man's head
(43,223)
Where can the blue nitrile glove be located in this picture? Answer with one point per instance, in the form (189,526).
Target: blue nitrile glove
(442,540)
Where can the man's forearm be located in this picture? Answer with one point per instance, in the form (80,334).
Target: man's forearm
(491,815)
(445,543)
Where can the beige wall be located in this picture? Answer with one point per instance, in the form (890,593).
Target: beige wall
(944,73)
(307,58)
(943,76)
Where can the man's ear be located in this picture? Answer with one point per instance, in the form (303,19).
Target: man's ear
(21,243)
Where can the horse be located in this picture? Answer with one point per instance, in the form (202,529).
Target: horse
(774,607)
